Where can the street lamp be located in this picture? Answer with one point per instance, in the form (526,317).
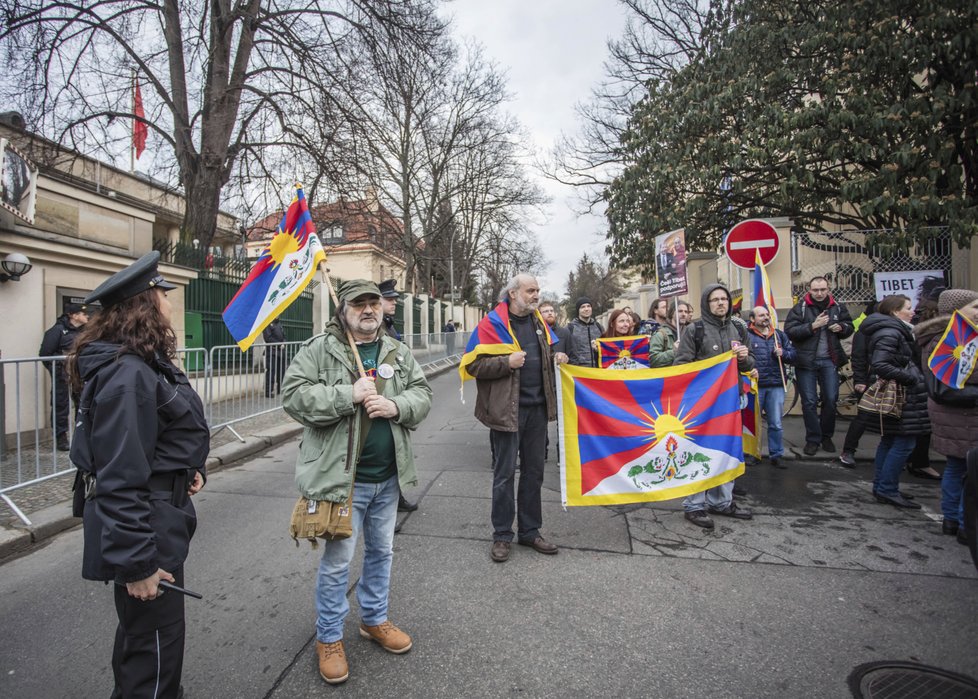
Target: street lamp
(15,266)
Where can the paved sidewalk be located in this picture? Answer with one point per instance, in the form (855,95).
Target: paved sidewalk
(638,603)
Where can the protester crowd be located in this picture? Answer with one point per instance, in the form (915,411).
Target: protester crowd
(359,394)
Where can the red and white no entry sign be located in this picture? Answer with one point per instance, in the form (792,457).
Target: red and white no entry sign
(749,236)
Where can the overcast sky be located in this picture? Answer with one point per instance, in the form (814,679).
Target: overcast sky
(552,52)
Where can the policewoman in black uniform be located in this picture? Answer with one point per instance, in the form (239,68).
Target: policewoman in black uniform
(140,446)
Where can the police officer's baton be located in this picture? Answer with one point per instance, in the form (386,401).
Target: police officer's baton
(176,588)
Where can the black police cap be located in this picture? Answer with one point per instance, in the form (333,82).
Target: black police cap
(72,308)
(142,275)
(387,289)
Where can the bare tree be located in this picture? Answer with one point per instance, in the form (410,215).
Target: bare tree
(225,83)
(660,37)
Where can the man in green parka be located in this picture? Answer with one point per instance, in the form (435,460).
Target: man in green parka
(322,390)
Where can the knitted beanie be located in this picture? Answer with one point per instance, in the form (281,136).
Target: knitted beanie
(580,302)
(955,299)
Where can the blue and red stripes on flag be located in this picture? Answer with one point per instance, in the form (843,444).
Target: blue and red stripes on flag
(953,359)
(281,273)
(763,296)
(751,416)
(648,434)
(494,335)
(634,347)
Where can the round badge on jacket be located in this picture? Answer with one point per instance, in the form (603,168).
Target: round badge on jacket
(385,371)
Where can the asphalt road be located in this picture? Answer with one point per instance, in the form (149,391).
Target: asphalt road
(638,603)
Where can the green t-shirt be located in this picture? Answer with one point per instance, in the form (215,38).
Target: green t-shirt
(377,460)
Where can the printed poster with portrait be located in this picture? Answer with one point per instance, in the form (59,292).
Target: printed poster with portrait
(670,263)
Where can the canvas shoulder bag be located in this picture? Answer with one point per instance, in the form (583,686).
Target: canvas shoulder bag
(324,519)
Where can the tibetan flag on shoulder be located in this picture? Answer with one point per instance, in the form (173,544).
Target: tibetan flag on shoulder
(751,416)
(953,359)
(281,273)
(624,352)
(494,335)
(763,296)
(649,434)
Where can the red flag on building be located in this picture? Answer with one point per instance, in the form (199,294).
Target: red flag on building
(139,128)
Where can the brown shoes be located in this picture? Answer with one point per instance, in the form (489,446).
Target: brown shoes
(499,551)
(390,638)
(332,662)
(541,545)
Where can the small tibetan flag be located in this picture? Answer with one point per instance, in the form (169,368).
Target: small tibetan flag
(953,359)
(624,352)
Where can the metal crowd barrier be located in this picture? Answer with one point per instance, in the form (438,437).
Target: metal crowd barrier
(233,385)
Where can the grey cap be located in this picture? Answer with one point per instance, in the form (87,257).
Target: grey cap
(354,288)
(142,275)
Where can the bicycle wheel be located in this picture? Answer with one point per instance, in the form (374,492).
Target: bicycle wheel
(845,406)
(790,393)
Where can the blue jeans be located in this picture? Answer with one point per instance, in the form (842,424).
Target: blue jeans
(891,457)
(810,381)
(719,497)
(771,400)
(952,490)
(374,514)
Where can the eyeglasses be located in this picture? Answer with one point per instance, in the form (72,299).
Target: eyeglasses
(361,305)
(722,299)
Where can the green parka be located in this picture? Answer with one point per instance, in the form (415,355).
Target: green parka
(317,392)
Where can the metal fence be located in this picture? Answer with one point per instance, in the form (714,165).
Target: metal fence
(234,386)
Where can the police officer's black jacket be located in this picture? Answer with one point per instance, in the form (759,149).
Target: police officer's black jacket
(141,431)
(58,339)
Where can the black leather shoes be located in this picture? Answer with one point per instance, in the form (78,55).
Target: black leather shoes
(898,500)
(541,545)
(699,518)
(405,506)
(732,510)
(828,445)
(949,527)
(810,449)
(499,551)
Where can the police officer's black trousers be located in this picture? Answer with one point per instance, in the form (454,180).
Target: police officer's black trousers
(59,404)
(147,659)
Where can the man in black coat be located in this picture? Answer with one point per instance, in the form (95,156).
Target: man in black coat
(58,339)
(816,325)
(275,362)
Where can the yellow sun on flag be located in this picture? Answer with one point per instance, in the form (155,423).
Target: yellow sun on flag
(282,245)
(957,352)
(667,424)
(624,353)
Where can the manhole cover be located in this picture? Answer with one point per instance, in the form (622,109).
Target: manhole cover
(904,680)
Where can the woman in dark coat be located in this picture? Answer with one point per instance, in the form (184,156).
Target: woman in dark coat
(893,354)
(953,412)
(140,446)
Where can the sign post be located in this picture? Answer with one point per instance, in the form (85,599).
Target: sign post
(748,237)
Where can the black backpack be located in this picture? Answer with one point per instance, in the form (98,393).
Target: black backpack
(699,332)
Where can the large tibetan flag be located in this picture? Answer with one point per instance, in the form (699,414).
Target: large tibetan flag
(750,415)
(648,434)
(630,352)
(953,359)
(763,296)
(282,272)
(494,335)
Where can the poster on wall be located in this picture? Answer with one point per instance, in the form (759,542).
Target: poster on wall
(912,283)
(670,263)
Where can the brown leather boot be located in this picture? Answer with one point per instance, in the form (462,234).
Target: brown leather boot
(390,638)
(332,662)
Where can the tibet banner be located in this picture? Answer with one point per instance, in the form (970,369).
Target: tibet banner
(630,352)
(648,434)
